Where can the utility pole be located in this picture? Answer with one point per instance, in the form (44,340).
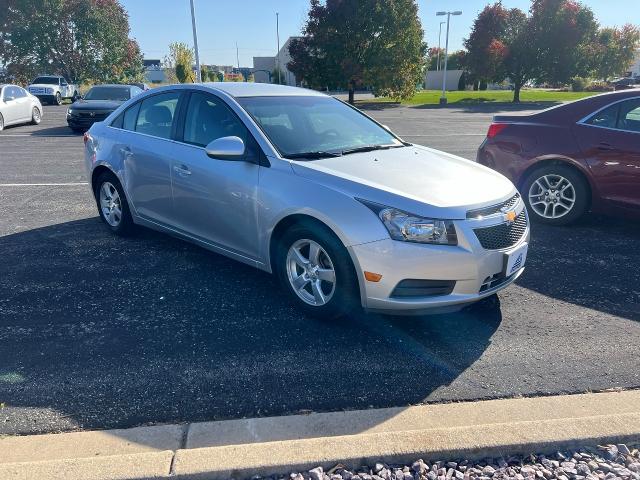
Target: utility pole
(195,42)
(439,35)
(443,98)
(237,56)
(278,40)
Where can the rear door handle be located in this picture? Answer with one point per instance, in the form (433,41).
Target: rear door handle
(182,170)
(605,146)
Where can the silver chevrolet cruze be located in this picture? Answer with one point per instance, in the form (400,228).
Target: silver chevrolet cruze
(300,184)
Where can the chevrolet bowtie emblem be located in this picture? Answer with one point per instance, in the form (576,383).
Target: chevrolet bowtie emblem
(92,114)
(510,216)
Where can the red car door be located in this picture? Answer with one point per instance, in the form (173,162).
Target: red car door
(610,142)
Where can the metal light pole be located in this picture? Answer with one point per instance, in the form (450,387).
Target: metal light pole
(195,42)
(439,35)
(443,98)
(278,39)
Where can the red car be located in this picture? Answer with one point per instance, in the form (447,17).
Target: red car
(572,158)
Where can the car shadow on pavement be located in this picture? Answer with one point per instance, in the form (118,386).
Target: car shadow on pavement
(55,132)
(102,332)
(593,263)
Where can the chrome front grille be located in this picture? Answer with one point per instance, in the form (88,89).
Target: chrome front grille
(493,209)
(503,235)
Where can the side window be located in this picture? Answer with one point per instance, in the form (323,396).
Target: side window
(605,118)
(130,117)
(629,118)
(209,118)
(10,92)
(117,123)
(19,92)
(157,114)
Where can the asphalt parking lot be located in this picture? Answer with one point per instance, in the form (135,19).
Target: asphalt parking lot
(103,332)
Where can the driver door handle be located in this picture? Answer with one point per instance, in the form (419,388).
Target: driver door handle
(182,170)
(605,146)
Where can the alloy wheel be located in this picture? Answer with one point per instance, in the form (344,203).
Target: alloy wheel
(36,115)
(311,272)
(110,204)
(552,196)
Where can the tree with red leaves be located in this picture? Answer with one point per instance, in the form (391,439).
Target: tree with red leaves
(80,39)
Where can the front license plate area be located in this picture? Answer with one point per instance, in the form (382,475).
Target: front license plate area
(515,259)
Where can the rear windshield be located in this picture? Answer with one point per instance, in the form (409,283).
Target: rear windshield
(118,94)
(47,80)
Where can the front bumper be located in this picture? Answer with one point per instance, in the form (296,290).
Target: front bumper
(84,120)
(468,264)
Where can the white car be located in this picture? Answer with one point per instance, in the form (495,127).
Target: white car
(53,89)
(18,106)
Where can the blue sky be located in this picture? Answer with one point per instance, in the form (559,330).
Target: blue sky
(252,23)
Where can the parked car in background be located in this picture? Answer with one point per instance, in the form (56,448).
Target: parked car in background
(625,83)
(572,158)
(142,86)
(97,104)
(18,106)
(53,89)
(298,183)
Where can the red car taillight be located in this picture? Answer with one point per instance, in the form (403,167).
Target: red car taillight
(86,137)
(495,129)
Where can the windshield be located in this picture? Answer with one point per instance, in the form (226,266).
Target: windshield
(118,94)
(47,80)
(319,125)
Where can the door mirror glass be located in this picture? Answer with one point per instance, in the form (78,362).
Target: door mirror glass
(226,148)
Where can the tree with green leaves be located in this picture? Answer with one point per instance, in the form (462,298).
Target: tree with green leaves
(614,51)
(181,58)
(204,74)
(80,39)
(350,43)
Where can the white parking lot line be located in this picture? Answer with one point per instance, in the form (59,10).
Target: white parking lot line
(42,184)
(38,135)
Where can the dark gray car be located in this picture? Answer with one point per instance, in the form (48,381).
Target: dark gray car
(98,104)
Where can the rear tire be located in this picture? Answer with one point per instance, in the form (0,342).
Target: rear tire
(314,292)
(556,195)
(1,122)
(112,204)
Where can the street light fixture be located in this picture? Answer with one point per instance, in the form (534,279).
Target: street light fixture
(443,98)
(439,35)
(195,43)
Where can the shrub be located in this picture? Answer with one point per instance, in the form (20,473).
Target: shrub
(578,84)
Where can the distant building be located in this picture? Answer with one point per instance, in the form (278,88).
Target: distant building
(264,66)
(153,71)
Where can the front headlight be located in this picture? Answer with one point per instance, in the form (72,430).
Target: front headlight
(406,227)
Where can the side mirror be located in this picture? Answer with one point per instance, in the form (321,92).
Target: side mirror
(226,148)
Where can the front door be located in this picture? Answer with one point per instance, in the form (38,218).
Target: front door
(215,200)
(610,141)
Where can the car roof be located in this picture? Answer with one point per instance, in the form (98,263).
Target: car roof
(251,89)
(112,85)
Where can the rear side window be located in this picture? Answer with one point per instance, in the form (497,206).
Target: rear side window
(606,118)
(130,117)
(157,114)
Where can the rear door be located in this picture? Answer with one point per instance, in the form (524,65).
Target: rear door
(146,150)
(610,141)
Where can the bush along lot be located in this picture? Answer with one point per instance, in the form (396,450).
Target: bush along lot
(607,462)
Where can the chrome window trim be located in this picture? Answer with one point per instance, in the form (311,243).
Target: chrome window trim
(583,121)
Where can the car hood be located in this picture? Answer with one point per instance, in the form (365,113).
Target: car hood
(95,105)
(417,179)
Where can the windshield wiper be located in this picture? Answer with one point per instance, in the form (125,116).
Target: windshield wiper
(369,148)
(313,155)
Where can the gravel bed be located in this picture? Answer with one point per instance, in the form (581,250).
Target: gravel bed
(606,462)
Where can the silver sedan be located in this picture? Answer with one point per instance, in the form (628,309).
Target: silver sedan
(300,184)
(18,106)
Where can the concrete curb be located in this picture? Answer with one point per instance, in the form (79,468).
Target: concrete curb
(267,446)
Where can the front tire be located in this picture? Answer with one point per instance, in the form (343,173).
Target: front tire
(1,122)
(556,195)
(315,268)
(58,99)
(112,204)
(36,116)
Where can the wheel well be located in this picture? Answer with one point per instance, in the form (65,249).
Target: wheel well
(285,224)
(553,161)
(99,170)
